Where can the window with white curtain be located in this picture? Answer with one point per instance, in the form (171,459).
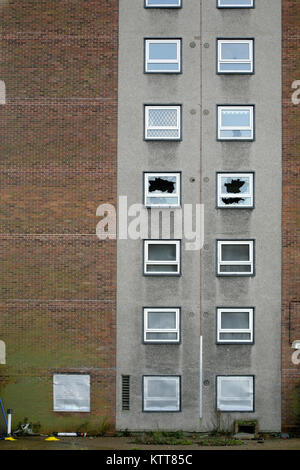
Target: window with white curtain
(163,3)
(235,325)
(162,122)
(235,122)
(235,56)
(162,55)
(162,257)
(161,393)
(71,392)
(235,3)
(235,393)
(161,325)
(162,189)
(235,257)
(235,190)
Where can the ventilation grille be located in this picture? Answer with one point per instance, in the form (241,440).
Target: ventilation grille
(125,392)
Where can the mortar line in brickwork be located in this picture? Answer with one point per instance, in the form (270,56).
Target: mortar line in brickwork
(58,101)
(54,300)
(55,36)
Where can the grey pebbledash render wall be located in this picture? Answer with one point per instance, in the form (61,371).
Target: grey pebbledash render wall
(198,291)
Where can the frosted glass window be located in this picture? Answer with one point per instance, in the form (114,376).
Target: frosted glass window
(235,123)
(161,325)
(162,189)
(235,56)
(235,257)
(235,3)
(235,393)
(235,190)
(71,392)
(162,122)
(162,55)
(162,257)
(161,393)
(235,325)
(163,3)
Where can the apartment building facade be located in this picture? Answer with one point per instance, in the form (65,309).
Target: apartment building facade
(169,110)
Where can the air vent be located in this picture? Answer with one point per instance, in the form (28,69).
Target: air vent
(125,392)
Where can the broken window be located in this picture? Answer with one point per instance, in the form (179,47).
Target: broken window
(162,55)
(71,392)
(161,393)
(235,257)
(235,55)
(161,325)
(236,122)
(162,189)
(235,393)
(235,325)
(235,3)
(162,3)
(235,190)
(162,122)
(162,257)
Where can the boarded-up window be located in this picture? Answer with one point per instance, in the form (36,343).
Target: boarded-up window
(71,392)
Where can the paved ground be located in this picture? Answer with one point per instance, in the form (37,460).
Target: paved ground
(127,443)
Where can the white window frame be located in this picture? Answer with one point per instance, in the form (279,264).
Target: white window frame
(221,61)
(176,195)
(250,262)
(221,195)
(149,41)
(249,108)
(247,378)
(162,262)
(164,5)
(220,311)
(148,127)
(176,330)
(175,378)
(57,395)
(235,6)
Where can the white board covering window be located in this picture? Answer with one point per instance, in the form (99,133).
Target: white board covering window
(162,55)
(163,3)
(235,3)
(161,325)
(235,257)
(162,257)
(235,56)
(235,190)
(162,189)
(162,122)
(161,393)
(235,325)
(236,122)
(235,393)
(71,392)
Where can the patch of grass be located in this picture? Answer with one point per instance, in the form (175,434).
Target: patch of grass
(218,441)
(104,427)
(162,438)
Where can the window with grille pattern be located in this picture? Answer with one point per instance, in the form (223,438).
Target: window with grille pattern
(162,122)
(125,392)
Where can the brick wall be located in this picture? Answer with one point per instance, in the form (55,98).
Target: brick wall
(58,153)
(290,211)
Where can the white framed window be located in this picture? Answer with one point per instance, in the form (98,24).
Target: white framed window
(162,55)
(162,122)
(71,392)
(235,257)
(235,190)
(161,325)
(235,393)
(163,3)
(235,325)
(162,189)
(235,55)
(162,257)
(236,122)
(161,393)
(235,3)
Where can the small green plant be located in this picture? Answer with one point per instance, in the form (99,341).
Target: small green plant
(104,427)
(217,441)
(162,438)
